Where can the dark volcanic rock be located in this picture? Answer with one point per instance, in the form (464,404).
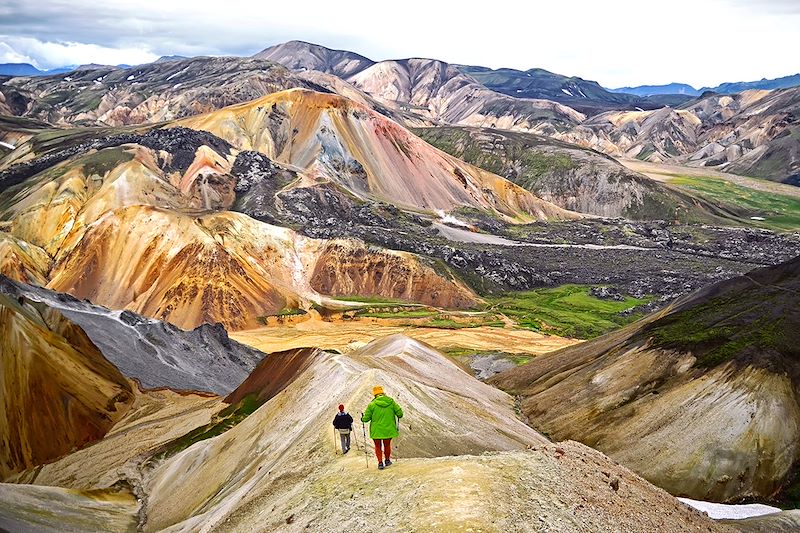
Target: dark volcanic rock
(182,143)
(155,353)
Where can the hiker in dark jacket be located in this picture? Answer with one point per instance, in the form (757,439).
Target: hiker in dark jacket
(383,414)
(343,423)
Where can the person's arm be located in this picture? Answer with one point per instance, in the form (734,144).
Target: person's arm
(368,413)
(350,422)
(398,412)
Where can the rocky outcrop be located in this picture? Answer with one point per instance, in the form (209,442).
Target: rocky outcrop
(685,396)
(350,268)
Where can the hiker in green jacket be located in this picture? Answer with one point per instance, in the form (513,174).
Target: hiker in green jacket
(383,414)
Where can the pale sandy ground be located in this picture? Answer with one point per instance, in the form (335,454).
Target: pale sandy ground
(345,335)
(664,173)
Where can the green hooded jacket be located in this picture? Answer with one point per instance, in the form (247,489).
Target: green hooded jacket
(381,413)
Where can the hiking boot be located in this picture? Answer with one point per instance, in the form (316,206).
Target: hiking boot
(380,466)
(387,463)
(347,450)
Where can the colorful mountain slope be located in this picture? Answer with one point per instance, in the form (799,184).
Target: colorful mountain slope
(701,399)
(494,474)
(333,139)
(154,353)
(130,226)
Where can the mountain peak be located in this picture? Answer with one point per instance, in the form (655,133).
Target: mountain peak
(302,55)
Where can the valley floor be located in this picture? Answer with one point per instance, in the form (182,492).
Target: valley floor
(343,335)
(665,172)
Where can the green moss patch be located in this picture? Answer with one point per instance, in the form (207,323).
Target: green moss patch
(222,422)
(568,311)
(780,212)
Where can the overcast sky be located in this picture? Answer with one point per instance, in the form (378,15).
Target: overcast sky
(616,42)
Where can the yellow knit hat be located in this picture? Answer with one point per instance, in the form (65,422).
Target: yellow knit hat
(377,389)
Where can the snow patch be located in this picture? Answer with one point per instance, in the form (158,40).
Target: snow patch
(176,85)
(757,218)
(6,145)
(566,91)
(173,75)
(129,78)
(719,511)
(581,93)
(68,78)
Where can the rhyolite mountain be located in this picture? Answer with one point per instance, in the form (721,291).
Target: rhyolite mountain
(752,133)
(700,398)
(300,55)
(249,236)
(574,178)
(334,139)
(754,137)
(78,215)
(586,96)
(429,87)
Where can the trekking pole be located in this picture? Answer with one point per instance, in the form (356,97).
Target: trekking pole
(364,433)
(397,447)
(335,448)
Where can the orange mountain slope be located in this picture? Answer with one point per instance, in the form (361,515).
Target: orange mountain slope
(331,138)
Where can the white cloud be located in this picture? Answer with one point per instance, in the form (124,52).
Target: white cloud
(9,55)
(50,54)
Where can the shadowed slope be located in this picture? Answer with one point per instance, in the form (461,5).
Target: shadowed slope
(154,353)
(685,396)
(57,391)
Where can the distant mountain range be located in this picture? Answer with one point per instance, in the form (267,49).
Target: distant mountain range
(724,88)
(651,90)
(26,69)
(586,96)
